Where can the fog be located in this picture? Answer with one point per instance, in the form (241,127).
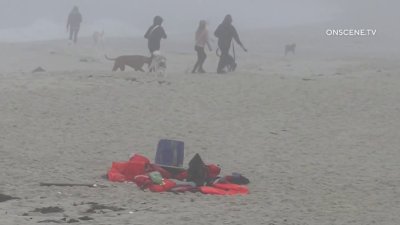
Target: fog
(29,20)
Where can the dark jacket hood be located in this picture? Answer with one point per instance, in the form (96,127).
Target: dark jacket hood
(227,20)
(75,10)
(157,20)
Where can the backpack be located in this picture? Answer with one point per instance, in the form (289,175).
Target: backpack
(197,171)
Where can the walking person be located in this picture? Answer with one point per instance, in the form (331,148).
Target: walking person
(154,35)
(201,39)
(225,33)
(74,23)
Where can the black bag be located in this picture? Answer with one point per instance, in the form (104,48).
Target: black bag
(197,171)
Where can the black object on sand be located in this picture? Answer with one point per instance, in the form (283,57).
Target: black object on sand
(71,185)
(197,171)
(4,198)
(51,209)
(39,69)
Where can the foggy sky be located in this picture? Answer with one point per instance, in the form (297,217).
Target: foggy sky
(134,16)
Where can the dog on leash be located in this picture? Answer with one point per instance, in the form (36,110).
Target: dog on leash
(158,64)
(290,48)
(98,37)
(134,61)
(229,61)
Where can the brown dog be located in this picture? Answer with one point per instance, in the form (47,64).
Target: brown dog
(134,61)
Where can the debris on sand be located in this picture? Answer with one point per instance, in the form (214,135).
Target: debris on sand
(132,79)
(94,207)
(4,198)
(71,185)
(51,221)
(63,220)
(50,209)
(39,69)
(85,218)
(88,59)
(83,60)
(161,82)
(73,221)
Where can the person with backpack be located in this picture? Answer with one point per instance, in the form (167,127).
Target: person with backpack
(201,39)
(73,24)
(225,33)
(154,35)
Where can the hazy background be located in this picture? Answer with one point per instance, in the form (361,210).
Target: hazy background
(29,20)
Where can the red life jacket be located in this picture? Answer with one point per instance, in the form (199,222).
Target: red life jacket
(224,189)
(126,171)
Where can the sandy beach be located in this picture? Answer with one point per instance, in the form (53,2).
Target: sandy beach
(316,133)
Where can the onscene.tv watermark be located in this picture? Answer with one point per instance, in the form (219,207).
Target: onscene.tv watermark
(350,32)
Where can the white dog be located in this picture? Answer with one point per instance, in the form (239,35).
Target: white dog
(158,64)
(98,37)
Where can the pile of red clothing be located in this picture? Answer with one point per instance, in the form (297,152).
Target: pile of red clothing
(198,178)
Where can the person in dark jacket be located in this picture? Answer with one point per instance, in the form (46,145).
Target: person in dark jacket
(154,35)
(225,33)
(74,23)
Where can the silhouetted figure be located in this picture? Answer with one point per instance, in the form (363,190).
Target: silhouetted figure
(290,48)
(154,35)
(202,39)
(225,33)
(74,23)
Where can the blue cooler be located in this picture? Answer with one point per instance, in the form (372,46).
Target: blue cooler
(170,154)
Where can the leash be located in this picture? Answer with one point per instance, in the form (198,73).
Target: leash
(233,49)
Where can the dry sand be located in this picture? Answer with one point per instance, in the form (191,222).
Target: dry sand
(316,133)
